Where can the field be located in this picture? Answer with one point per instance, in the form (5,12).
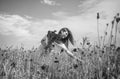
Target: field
(36,64)
(97,62)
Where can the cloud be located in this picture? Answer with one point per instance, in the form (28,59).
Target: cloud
(60,14)
(14,24)
(24,26)
(50,2)
(29,30)
(40,27)
(86,5)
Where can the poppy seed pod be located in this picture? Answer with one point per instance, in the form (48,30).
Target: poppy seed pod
(114,17)
(112,36)
(113,22)
(107,24)
(117,14)
(98,16)
(117,18)
(105,33)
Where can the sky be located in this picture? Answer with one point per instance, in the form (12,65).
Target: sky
(26,22)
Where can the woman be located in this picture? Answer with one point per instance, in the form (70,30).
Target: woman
(63,36)
(61,39)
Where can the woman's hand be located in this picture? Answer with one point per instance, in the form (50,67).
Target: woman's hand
(65,48)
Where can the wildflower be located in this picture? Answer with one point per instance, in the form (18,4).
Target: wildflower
(45,67)
(75,66)
(118,49)
(56,60)
(13,64)
(82,53)
(59,70)
(61,50)
(31,60)
(2,54)
(95,52)
(103,51)
(88,43)
(91,51)
(53,45)
(75,50)
(112,46)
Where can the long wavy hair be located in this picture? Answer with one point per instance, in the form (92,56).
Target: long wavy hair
(68,38)
(53,37)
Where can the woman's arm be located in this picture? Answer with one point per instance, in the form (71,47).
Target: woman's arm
(67,51)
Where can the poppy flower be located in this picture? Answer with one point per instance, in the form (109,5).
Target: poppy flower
(13,64)
(43,67)
(75,66)
(31,59)
(88,43)
(75,50)
(56,61)
(102,51)
(61,50)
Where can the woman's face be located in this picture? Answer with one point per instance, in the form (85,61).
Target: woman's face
(64,33)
